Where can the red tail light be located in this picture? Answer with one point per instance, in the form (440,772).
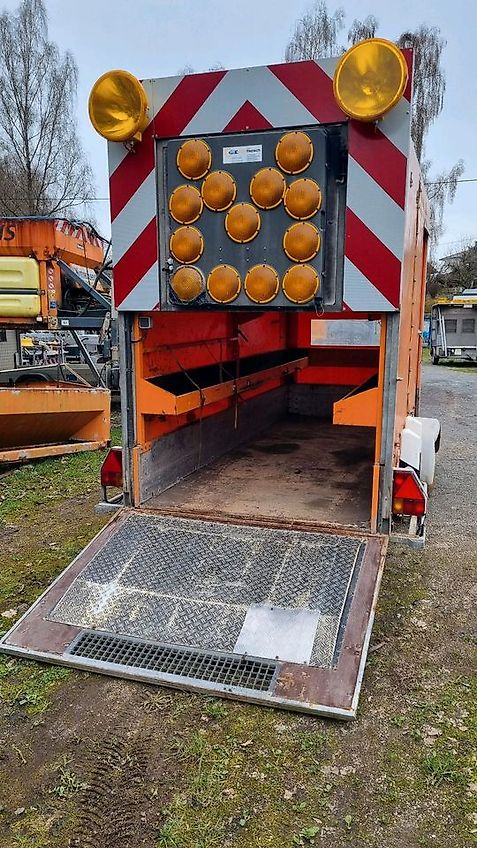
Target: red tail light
(112,469)
(409,496)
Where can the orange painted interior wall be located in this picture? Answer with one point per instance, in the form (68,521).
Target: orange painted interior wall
(190,340)
(184,341)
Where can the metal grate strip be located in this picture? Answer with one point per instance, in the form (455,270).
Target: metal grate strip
(242,672)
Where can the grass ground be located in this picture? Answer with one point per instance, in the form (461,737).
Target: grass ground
(94,762)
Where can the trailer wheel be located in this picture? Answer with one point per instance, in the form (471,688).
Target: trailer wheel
(435,360)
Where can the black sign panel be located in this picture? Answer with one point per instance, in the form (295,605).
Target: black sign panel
(267,205)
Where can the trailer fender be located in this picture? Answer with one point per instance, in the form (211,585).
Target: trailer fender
(431,433)
(419,444)
(411,443)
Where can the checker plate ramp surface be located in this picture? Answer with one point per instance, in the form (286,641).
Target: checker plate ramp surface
(191,583)
(274,616)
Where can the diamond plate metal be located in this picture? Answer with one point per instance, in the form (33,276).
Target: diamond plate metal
(191,582)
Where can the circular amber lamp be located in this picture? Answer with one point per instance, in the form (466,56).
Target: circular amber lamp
(302,198)
(117,106)
(242,222)
(185,204)
(186,244)
(267,188)
(301,283)
(301,242)
(194,159)
(187,283)
(262,283)
(219,191)
(223,283)
(370,79)
(294,152)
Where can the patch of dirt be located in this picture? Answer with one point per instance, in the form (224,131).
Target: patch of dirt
(117,743)
(128,769)
(277,448)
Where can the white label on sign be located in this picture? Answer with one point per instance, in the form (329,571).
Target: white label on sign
(246,153)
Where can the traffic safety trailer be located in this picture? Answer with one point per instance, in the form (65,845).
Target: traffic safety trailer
(269,240)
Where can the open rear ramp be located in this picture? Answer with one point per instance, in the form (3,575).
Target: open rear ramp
(263,614)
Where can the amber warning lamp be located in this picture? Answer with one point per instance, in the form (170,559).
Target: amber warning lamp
(370,79)
(118,106)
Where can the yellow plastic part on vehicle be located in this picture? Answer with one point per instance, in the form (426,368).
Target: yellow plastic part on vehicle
(19,287)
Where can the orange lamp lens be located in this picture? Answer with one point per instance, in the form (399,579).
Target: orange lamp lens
(261,283)
(294,152)
(185,204)
(302,198)
(267,188)
(187,283)
(398,506)
(118,106)
(194,159)
(301,283)
(219,191)
(370,79)
(301,242)
(223,283)
(186,244)
(242,222)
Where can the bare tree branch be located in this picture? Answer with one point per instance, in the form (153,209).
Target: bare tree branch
(43,169)
(428,80)
(440,191)
(360,30)
(316,34)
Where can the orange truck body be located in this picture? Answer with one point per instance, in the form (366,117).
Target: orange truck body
(46,240)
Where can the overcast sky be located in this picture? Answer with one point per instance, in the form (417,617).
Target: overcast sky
(154,38)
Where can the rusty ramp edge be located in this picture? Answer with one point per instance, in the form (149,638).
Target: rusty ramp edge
(328,691)
(39,451)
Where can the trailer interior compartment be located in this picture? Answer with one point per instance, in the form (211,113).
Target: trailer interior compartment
(254,435)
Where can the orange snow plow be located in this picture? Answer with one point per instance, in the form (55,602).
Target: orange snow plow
(48,419)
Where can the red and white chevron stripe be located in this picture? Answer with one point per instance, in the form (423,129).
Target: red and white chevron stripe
(288,95)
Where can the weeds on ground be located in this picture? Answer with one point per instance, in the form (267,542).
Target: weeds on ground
(250,777)
(28,684)
(68,782)
(439,739)
(442,766)
(215,709)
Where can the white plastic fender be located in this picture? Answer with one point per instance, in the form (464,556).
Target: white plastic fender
(418,446)
(431,429)
(411,442)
